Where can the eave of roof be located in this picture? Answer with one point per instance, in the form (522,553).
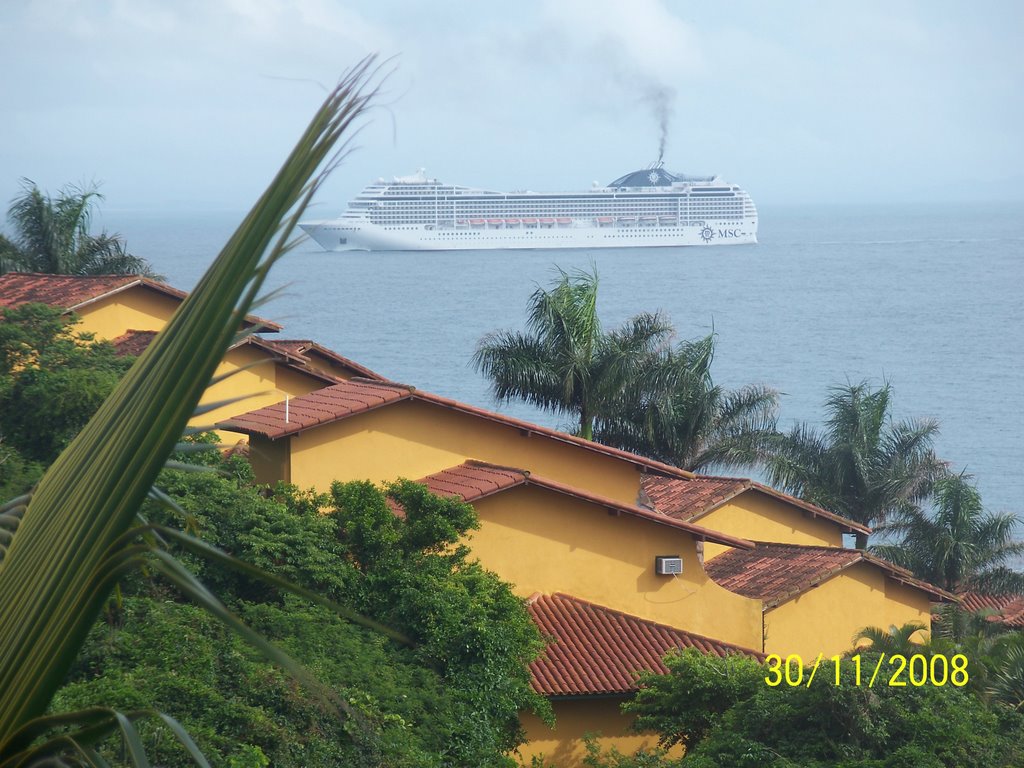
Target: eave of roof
(598,651)
(776,573)
(269,422)
(474,480)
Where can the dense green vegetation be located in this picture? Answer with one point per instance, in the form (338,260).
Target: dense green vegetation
(51,235)
(52,379)
(453,699)
(728,717)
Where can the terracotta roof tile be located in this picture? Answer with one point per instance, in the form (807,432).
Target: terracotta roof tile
(775,573)
(72,292)
(323,406)
(1009,609)
(596,650)
(690,498)
(271,426)
(474,480)
(133,342)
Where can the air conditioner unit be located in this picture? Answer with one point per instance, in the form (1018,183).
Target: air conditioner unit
(668,565)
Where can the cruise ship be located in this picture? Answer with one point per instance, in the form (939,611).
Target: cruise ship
(649,207)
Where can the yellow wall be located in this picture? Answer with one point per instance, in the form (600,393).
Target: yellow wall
(543,541)
(264,382)
(759,517)
(825,619)
(136,309)
(413,439)
(563,745)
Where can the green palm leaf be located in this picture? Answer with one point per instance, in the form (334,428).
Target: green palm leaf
(53,580)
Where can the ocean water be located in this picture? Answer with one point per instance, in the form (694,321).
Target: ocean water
(928,298)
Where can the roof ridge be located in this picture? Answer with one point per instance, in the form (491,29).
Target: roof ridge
(490,465)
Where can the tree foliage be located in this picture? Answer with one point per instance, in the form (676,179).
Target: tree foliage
(453,699)
(958,545)
(863,465)
(52,380)
(52,235)
(630,387)
(566,363)
(735,720)
(673,411)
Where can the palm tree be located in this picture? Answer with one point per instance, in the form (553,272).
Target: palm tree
(566,363)
(64,546)
(686,419)
(863,465)
(905,640)
(52,236)
(959,546)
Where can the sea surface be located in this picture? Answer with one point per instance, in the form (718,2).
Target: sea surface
(930,298)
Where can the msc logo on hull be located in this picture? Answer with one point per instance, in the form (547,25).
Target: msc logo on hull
(707,234)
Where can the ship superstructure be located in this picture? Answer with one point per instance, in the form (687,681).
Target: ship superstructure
(650,207)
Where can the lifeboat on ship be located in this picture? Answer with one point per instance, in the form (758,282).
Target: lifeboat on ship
(564,221)
(546,222)
(604,221)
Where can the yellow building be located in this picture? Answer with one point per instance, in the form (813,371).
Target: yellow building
(130,310)
(107,305)
(816,599)
(572,519)
(373,430)
(545,536)
(742,507)
(589,564)
(589,671)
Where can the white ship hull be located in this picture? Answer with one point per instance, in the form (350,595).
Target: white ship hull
(341,235)
(650,207)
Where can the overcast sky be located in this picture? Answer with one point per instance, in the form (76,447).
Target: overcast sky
(194,103)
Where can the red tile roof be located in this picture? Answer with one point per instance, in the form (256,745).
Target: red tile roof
(72,292)
(775,573)
(310,349)
(1009,609)
(344,399)
(596,650)
(133,342)
(691,498)
(473,480)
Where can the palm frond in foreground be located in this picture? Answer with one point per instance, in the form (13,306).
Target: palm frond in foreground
(72,540)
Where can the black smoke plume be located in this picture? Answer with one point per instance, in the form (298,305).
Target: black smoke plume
(661,98)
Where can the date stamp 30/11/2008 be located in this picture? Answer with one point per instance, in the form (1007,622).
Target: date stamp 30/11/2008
(895,670)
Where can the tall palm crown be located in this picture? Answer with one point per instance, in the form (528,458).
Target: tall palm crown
(52,236)
(959,546)
(864,465)
(565,363)
(686,419)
